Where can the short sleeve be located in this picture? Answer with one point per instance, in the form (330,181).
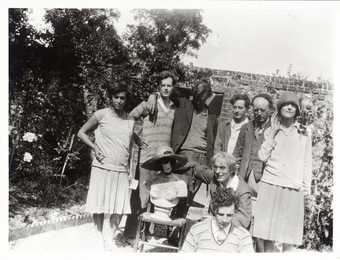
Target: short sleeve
(131,127)
(99,114)
(140,111)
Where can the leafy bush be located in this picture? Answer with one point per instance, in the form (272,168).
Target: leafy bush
(57,79)
(318,228)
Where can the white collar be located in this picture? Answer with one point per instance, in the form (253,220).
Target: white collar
(163,106)
(233,183)
(288,130)
(235,125)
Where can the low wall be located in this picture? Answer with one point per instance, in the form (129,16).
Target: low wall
(232,82)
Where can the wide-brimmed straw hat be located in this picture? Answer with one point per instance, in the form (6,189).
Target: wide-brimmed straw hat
(164,153)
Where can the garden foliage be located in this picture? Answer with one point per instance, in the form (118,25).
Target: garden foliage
(58,78)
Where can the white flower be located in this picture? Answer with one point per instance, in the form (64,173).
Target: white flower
(30,137)
(27,157)
(10,128)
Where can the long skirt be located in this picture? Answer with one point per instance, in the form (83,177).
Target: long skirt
(279,214)
(108,192)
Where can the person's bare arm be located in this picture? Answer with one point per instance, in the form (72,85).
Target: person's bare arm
(145,108)
(139,111)
(90,125)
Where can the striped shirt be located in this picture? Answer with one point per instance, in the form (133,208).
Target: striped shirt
(200,238)
(158,133)
(235,129)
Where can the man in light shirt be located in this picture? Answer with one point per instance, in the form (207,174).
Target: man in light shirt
(227,132)
(217,233)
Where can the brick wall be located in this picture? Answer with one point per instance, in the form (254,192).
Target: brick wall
(231,82)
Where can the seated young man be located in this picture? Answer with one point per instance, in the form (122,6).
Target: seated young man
(217,233)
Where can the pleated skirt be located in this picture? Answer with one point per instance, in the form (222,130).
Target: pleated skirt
(108,192)
(279,214)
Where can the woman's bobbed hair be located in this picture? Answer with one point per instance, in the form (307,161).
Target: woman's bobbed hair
(117,87)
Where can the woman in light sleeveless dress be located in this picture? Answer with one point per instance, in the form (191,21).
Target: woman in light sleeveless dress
(108,197)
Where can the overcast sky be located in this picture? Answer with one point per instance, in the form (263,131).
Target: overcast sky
(262,37)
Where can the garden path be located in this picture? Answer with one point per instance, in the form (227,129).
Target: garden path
(78,238)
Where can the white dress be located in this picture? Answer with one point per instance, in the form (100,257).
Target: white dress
(109,184)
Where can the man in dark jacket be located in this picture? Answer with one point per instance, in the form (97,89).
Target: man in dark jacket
(193,135)
(248,144)
(228,130)
(250,139)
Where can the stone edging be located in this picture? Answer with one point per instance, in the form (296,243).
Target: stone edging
(44,226)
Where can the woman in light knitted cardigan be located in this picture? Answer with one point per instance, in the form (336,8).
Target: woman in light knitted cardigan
(287,153)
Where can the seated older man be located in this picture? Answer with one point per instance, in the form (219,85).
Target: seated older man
(217,233)
(223,174)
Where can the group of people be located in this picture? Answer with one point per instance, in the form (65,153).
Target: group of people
(253,172)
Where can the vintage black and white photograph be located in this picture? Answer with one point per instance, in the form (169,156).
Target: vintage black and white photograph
(172,129)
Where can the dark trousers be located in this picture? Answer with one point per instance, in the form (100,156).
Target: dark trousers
(132,219)
(138,201)
(130,229)
(181,210)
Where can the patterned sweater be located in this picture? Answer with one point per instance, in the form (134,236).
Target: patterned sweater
(154,134)
(200,238)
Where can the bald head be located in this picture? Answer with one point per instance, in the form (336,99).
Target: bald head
(261,109)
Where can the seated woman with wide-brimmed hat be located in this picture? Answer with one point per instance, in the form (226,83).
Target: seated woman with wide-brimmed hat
(166,188)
